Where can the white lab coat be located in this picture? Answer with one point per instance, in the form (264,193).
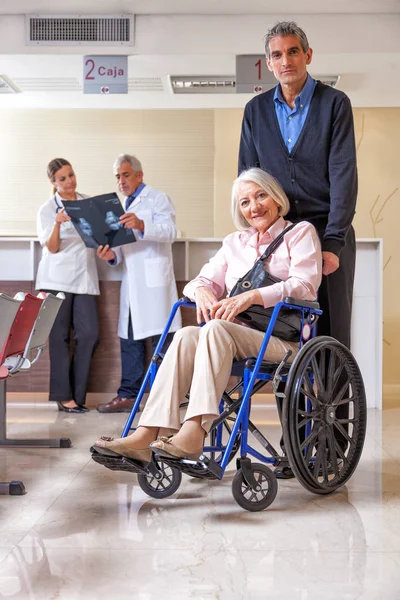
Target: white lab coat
(73,268)
(148,288)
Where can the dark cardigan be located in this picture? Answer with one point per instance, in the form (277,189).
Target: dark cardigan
(319,176)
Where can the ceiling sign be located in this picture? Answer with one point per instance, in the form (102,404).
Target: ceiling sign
(105,74)
(252,74)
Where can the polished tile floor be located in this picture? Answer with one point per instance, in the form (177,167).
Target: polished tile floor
(85,532)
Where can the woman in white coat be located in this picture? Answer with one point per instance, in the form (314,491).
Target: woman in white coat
(68,266)
(148,289)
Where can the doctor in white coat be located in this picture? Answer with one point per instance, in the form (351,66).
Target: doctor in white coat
(148,288)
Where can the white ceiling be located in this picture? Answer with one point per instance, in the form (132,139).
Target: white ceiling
(201,7)
(356,39)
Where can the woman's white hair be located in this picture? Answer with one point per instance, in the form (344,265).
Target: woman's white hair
(267,183)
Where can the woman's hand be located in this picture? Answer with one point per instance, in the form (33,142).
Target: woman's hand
(105,253)
(228,308)
(62,217)
(205,300)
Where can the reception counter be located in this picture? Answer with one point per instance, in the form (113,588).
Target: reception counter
(19,257)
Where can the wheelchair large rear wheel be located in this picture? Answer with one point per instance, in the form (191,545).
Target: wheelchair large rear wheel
(324,415)
(163,487)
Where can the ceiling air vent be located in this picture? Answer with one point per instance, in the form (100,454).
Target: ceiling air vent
(145,84)
(79,30)
(202,84)
(48,84)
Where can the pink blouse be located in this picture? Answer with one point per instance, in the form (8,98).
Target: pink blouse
(297,261)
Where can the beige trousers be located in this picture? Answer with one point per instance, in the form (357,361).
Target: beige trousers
(200,358)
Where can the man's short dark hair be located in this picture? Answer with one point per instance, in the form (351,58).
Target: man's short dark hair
(286,28)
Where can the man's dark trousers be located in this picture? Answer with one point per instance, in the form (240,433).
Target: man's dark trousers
(133,355)
(335,295)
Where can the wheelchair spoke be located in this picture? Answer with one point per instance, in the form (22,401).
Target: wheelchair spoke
(313,435)
(318,458)
(310,396)
(322,366)
(309,453)
(307,417)
(332,452)
(165,482)
(302,412)
(306,420)
(330,374)
(324,465)
(310,393)
(165,474)
(246,488)
(255,496)
(341,453)
(334,373)
(344,401)
(339,395)
(317,375)
(168,478)
(337,375)
(161,486)
(344,433)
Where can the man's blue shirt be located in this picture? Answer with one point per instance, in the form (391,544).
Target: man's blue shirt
(291,120)
(135,194)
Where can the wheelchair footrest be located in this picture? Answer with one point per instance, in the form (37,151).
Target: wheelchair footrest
(204,468)
(117,463)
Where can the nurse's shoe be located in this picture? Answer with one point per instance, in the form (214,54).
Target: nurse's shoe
(73,409)
(117,405)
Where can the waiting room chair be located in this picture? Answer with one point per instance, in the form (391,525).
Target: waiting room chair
(8,310)
(28,332)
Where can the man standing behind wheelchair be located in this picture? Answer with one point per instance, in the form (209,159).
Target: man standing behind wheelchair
(200,358)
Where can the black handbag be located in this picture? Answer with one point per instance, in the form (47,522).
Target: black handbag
(289,322)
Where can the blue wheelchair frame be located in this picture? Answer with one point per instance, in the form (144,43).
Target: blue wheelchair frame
(251,375)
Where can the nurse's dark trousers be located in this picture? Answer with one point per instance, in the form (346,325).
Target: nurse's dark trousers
(69,375)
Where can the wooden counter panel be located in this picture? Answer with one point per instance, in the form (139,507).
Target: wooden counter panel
(105,371)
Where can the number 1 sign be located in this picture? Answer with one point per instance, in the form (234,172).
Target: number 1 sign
(252,74)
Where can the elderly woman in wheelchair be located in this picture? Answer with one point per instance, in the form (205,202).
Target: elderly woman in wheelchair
(200,359)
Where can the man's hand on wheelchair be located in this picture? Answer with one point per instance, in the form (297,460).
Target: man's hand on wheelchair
(228,308)
(205,300)
(330,263)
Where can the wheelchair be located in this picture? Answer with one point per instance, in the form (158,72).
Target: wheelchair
(322,408)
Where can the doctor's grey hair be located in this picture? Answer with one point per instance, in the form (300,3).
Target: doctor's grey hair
(132,160)
(267,183)
(285,28)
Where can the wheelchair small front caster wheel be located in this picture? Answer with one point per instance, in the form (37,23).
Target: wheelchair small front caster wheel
(259,498)
(163,486)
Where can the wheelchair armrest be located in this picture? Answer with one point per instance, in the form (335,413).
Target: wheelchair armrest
(185,299)
(303,303)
